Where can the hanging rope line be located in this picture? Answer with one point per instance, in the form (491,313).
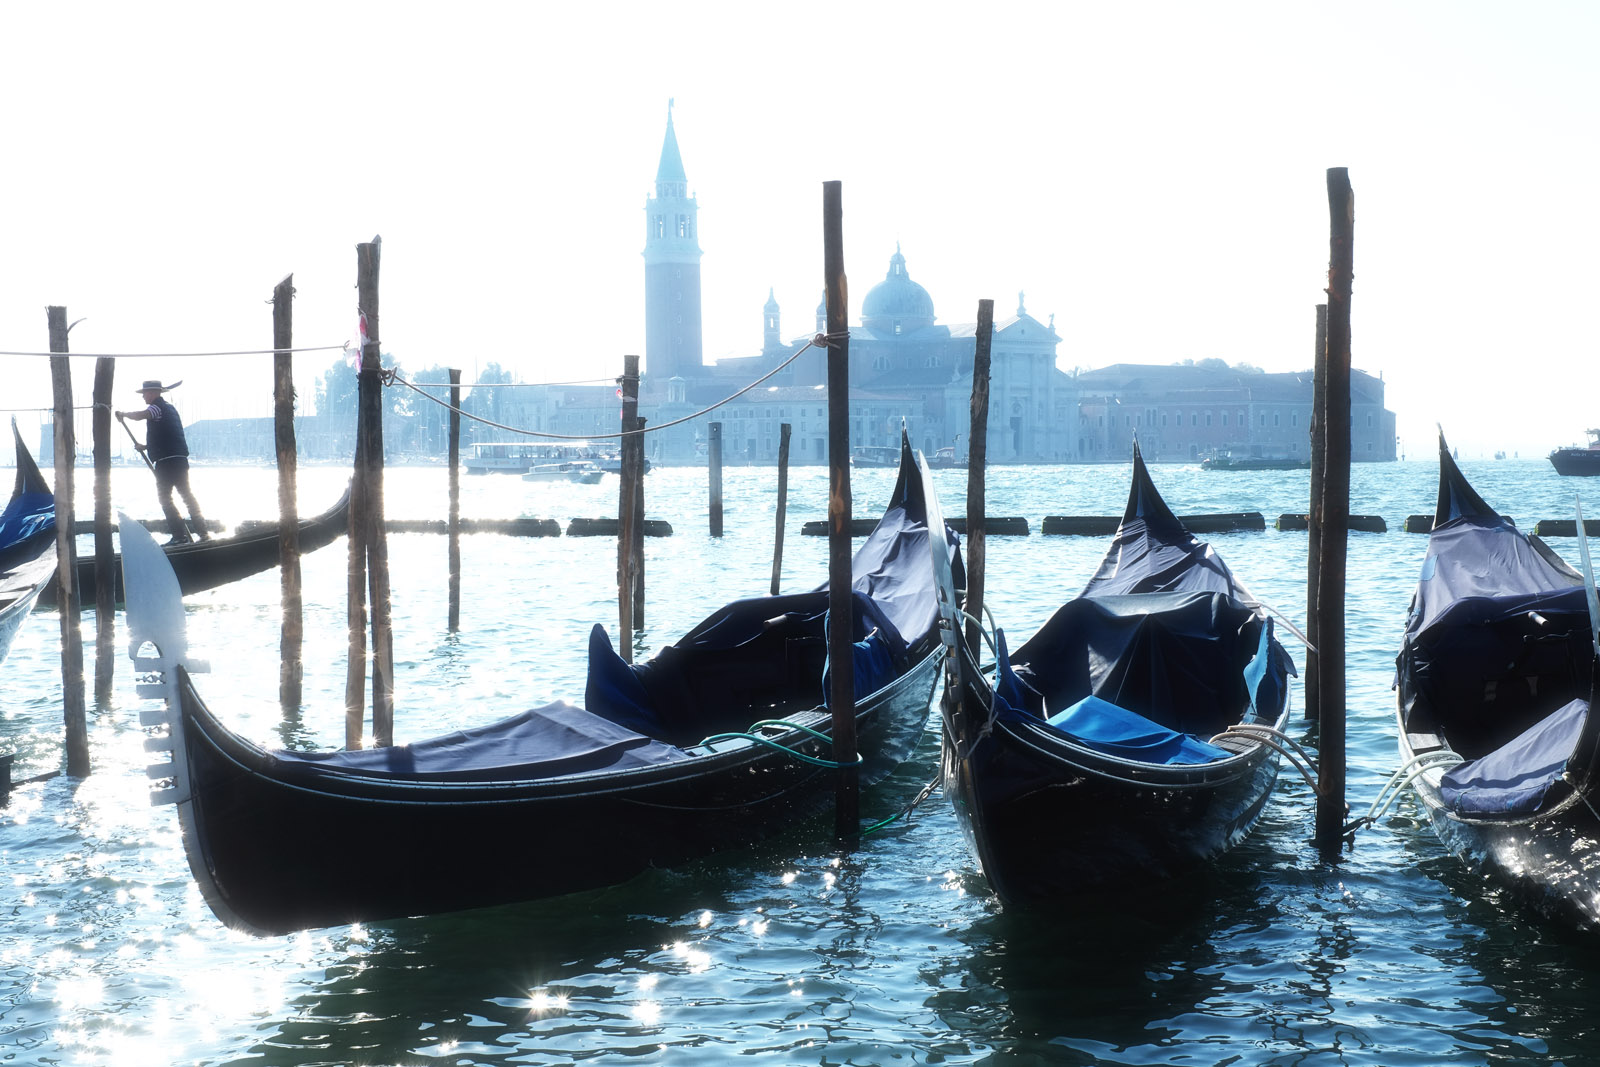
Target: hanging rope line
(509,385)
(181,355)
(819,341)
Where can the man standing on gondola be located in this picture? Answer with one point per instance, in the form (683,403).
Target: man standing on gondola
(168,455)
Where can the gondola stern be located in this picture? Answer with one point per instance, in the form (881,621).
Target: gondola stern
(1457,498)
(1145,501)
(29,478)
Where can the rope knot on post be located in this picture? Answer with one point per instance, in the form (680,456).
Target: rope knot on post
(831,340)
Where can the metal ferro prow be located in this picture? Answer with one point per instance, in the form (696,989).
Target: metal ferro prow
(158,644)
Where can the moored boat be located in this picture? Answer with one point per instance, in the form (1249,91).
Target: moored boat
(27,544)
(1579,460)
(1496,677)
(719,740)
(202,565)
(1133,738)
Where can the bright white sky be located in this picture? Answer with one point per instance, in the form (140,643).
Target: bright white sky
(1153,174)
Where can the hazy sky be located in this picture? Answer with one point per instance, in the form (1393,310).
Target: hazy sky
(1152,174)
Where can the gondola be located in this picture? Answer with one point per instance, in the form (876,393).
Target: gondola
(27,544)
(1495,678)
(202,565)
(718,741)
(1133,738)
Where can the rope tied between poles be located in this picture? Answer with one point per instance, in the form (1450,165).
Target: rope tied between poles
(819,341)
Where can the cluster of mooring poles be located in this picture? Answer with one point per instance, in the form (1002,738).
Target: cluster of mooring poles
(369,612)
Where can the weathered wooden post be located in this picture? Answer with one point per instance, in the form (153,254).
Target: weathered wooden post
(291,641)
(455,501)
(368,574)
(977,456)
(714,466)
(627,500)
(841,656)
(1336,520)
(371,403)
(636,549)
(783,502)
(65,448)
(105,555)
(355,678)
(1319,453)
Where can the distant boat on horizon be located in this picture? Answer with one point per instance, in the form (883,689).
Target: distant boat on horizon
(1580,460)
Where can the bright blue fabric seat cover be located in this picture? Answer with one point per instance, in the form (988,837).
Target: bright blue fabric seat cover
(1116,731)
(1514,778)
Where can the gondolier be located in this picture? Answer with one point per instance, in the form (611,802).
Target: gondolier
(168,455)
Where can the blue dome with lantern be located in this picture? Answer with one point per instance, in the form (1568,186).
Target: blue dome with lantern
(897,305)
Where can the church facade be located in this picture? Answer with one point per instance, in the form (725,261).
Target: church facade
(907,368)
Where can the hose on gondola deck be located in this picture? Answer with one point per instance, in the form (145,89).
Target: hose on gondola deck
(815,761)
(1408,772)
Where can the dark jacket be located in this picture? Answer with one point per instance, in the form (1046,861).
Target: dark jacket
(165,436)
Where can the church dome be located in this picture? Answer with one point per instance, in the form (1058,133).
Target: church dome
(897,301)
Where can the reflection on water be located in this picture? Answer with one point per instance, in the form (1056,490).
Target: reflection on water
(895,952)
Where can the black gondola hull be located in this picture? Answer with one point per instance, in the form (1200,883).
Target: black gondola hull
(1550,864)
(1047,820)
(202,565)
(272,856)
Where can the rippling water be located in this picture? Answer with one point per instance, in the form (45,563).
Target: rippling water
(794,952)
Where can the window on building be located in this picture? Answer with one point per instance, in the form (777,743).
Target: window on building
(1294,418)
(897,327)
(1194,418)
(1208,418)
(1163,419)
(1274,418)
(661,226)
(1263,418)
(1369,423)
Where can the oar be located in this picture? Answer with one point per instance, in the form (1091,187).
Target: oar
(137,447)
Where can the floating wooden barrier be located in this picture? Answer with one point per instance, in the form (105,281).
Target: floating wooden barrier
(1424,524)
(608,527)
(1565,527)
(994,526)
(1106,525)
(1013,526)
(1363,523)
(513,527)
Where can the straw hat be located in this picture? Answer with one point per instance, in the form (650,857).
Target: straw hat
(155,383)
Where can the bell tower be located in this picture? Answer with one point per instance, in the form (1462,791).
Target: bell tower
(672,339)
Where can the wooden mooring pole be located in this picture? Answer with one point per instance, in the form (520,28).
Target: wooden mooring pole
(1314,518)
(714,470)
(841,654)
(636,548)
(627,501)
(783,503)
(454,557)
(1335,513)
(369,546)
(291,640)
(977,457)
(65,454)
(105,553)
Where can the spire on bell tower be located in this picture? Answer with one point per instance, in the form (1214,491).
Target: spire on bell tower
(672,344)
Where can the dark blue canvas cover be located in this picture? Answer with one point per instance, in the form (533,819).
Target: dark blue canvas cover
(29,520)
(1515,779)
(557,739)
(742,654)
(1498,634)
(1116,731)
(1154,553)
